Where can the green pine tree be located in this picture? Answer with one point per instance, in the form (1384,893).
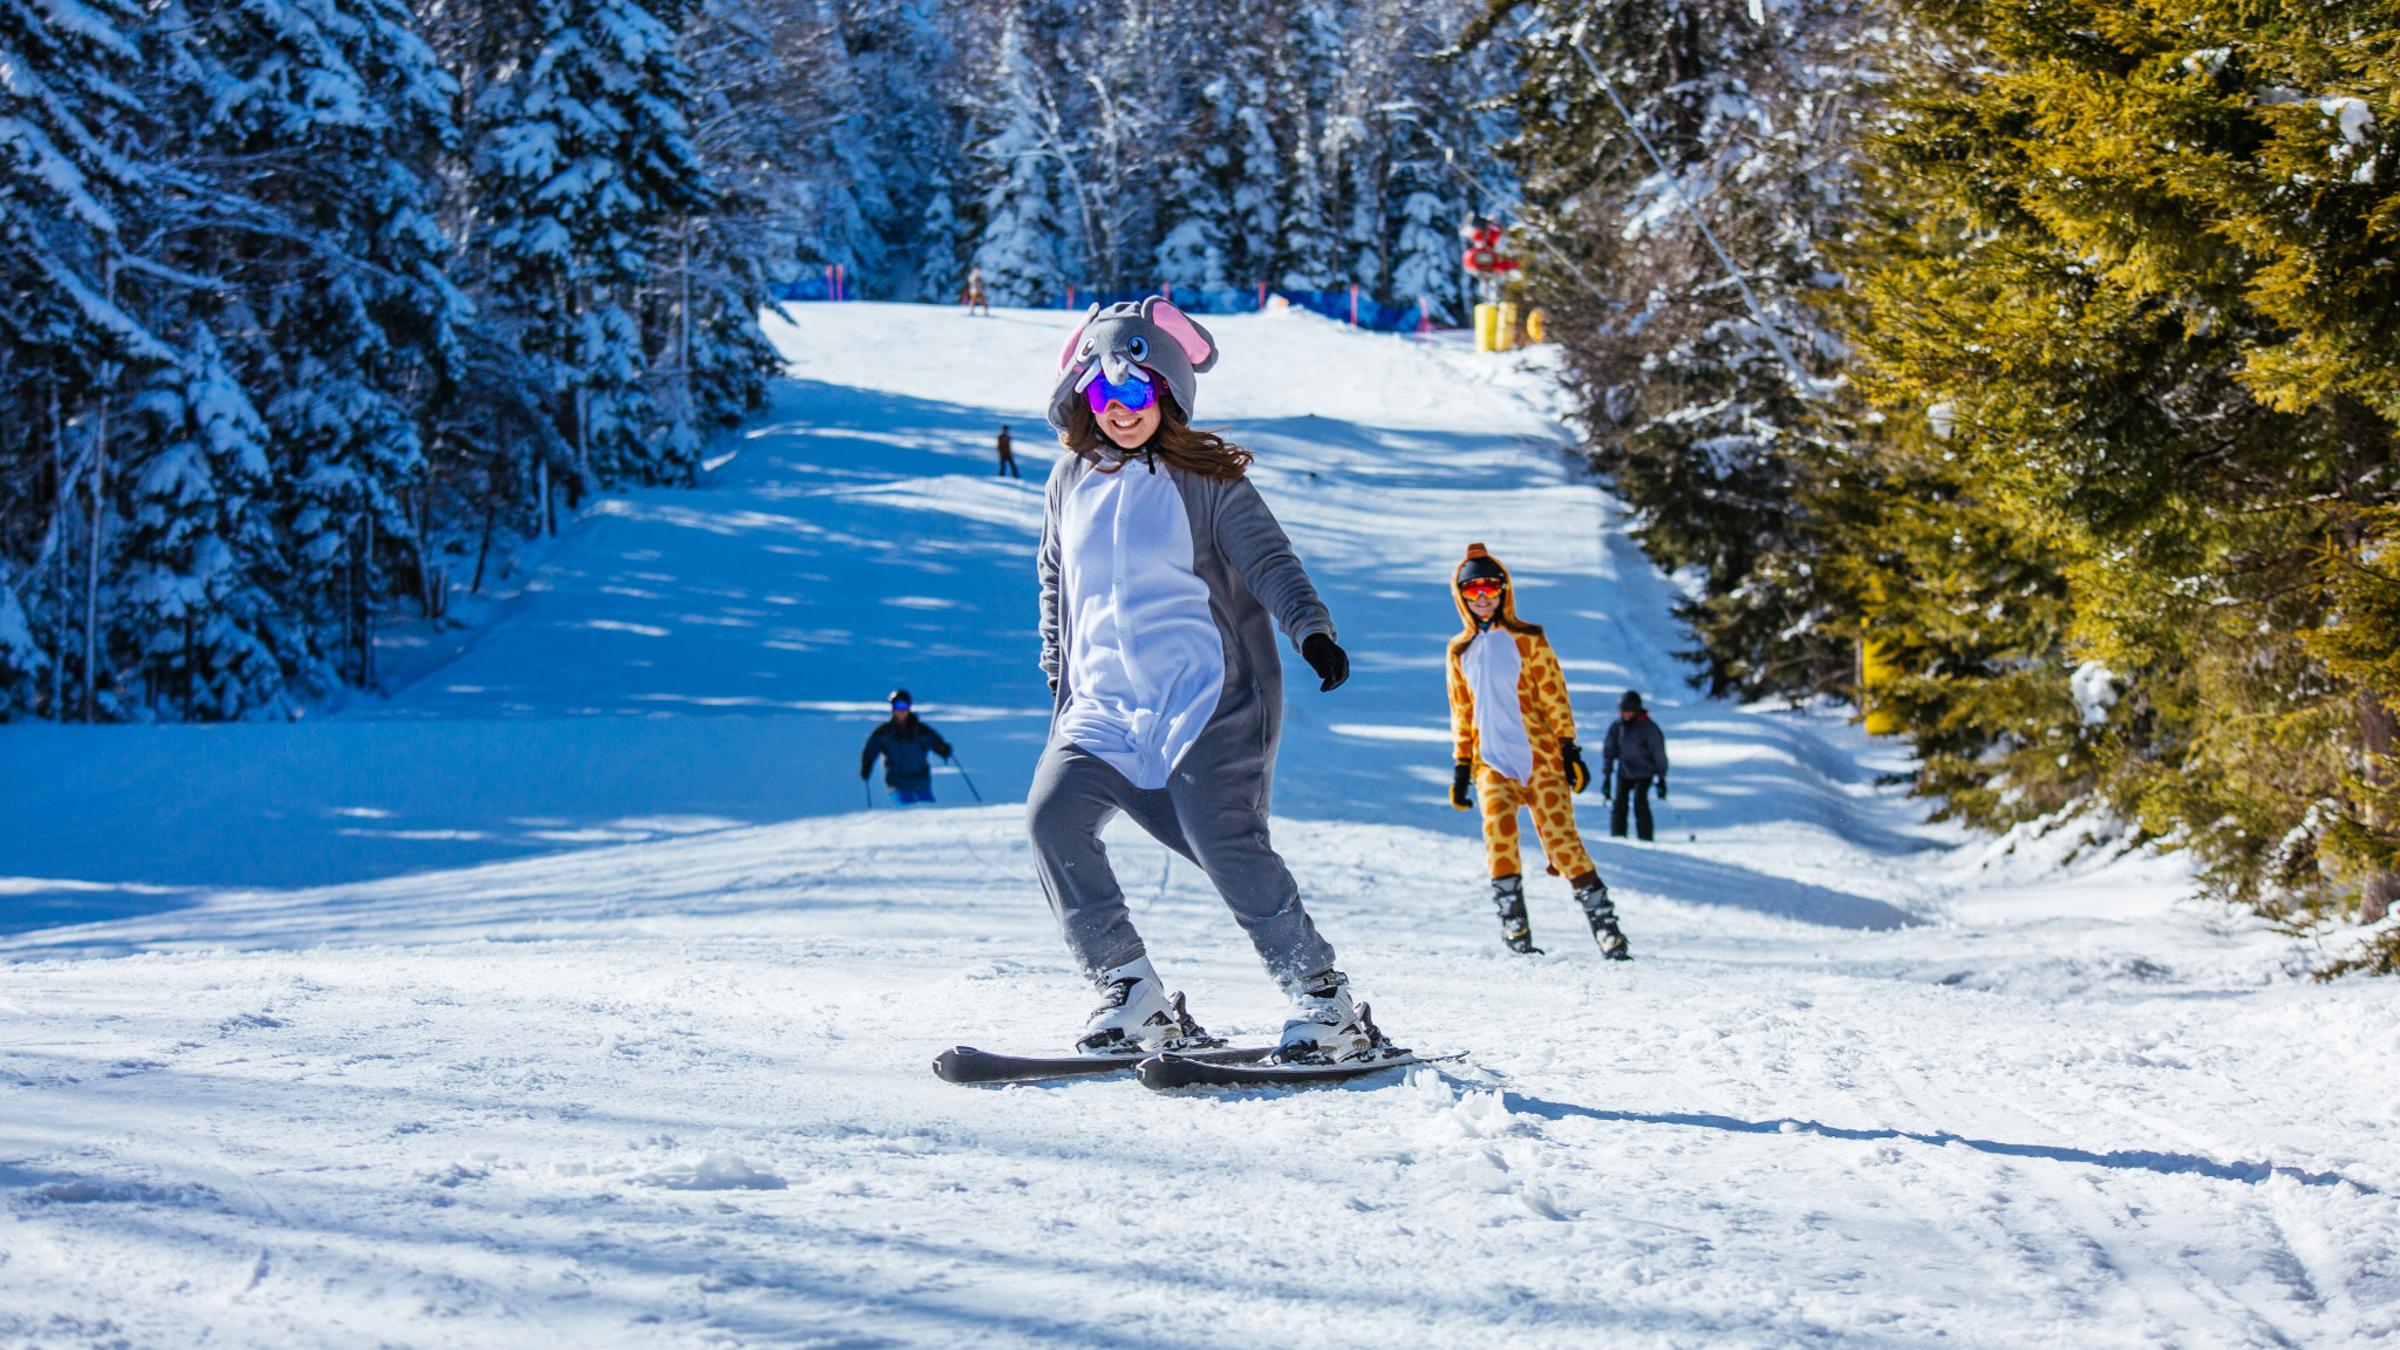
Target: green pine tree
(2134,261)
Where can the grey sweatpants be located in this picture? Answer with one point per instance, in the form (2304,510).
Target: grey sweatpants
(1214,820)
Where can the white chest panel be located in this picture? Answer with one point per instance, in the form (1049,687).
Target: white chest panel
(1492,665)
(1145,660)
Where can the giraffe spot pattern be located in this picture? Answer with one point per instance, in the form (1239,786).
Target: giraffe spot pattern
(1549,720)
(1553,811)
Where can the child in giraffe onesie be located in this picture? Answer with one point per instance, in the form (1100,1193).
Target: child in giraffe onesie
(1515,732)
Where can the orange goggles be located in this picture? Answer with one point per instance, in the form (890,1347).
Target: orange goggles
(1481,588)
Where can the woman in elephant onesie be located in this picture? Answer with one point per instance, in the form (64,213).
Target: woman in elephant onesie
(1164,577)
(1515,734)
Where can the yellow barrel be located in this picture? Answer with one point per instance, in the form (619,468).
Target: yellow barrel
(1487,322)
(1537,326)
(1504,329)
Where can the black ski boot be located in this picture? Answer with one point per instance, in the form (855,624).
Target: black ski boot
(1593,896)
(1508,897)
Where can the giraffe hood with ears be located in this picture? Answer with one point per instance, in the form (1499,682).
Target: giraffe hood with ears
(1129,341)
(1479,562)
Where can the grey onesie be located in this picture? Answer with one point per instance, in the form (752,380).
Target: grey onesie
(1213,809)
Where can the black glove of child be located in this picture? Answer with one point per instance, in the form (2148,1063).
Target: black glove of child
(1326,657)
(1579,776)
(1462,787)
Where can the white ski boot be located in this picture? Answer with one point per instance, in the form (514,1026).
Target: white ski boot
(1326,1027)
(1136,1014)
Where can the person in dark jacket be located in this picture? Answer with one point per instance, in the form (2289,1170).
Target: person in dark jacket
(1008,457)
(1638,748)
(904,742)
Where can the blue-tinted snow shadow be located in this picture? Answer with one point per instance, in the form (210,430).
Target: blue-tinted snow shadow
(858,542)
(2140,1160)
(688,660)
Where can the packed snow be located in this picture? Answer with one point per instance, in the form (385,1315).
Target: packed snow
(579,992)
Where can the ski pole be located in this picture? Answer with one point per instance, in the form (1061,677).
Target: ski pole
(962,772)
(866,792)
(1688,834)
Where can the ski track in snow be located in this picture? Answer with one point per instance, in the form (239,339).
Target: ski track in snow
(571,994)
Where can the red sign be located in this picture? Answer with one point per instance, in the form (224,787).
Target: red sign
(1483,256)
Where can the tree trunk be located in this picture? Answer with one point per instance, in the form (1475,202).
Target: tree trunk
(91,579)
(483,549)
(2379,734)
(61,507)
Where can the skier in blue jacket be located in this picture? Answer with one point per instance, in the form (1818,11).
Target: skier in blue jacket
(904,743)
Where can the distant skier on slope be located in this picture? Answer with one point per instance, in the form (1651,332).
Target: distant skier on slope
(1164,576)
(903,742)
(1008,457)
(1515,732)
(975,297)
(1637,746)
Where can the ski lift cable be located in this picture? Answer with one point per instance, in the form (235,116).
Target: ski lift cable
(1741,280)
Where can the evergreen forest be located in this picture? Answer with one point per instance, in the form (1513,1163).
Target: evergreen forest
(2024,373)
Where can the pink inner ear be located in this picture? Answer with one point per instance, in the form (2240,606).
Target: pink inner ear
(1170,321)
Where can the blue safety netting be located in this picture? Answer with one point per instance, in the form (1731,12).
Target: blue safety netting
(813,286)
(1333,302)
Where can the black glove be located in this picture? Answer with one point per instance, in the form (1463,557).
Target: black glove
(1579,776)
(1662,787)
(864,770)
(1608,783)
(1462,787)
(1326,657)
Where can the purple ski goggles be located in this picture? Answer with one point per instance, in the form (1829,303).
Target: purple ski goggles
(1135,394)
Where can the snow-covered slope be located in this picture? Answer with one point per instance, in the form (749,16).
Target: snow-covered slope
(573,993)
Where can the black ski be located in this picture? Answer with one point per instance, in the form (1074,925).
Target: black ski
(966,1064)
(1167,1072)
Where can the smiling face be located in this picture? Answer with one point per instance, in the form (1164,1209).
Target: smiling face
(1130,430)
(1484,604)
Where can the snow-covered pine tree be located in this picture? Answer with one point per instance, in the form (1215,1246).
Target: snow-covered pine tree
(581,159)
(197,576)
(1195,208)
(74,180)
(1128,132)
(941,245)
(1018,157)
(908,59)
(713,266)
(839,190)
(327,120)
(1258,188)
(1309,243)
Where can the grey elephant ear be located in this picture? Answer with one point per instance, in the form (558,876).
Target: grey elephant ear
(1066,354)
(1198,347)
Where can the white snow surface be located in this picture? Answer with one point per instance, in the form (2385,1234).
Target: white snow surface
(571,995)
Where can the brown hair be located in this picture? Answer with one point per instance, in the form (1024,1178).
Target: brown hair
(1178,442)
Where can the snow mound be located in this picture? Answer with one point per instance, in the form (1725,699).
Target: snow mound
(719,1171)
